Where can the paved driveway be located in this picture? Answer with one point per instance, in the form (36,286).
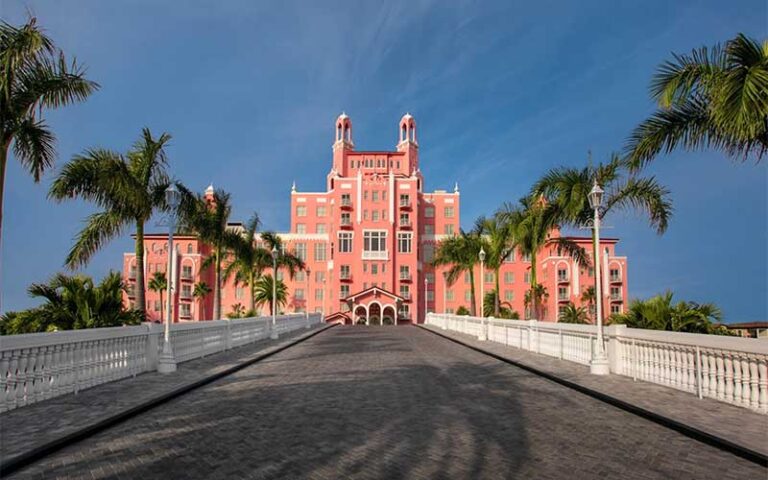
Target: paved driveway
(388,402)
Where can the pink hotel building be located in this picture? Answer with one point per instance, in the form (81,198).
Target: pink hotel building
(368,241)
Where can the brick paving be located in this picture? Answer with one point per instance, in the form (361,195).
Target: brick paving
(388,402)
(735,424)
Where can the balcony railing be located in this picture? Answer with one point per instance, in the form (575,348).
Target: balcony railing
(405,204)
(615,279)
(615,297)
(563,297)
(375,255)
(405,277)
(406,296)
(346,222)
(186,275)
(405,223)
(404,315)
(345,276)
(185,295)
(562,277)
(132,275)
(346,203)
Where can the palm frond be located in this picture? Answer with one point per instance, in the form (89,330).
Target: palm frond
(99,229)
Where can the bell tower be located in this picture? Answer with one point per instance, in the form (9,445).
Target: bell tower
(408,143)
(342,144)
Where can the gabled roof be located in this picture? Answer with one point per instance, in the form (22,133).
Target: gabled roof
(374,291)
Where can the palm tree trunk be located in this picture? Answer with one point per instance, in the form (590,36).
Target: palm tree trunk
(473,303)
(217,287)
(140,268)
(3,163)
(497,301)
(250,284)
(162,318)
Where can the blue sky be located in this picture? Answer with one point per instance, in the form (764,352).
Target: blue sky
(501,91)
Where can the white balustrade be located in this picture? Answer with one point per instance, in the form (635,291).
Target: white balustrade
(729,369)
(38,366)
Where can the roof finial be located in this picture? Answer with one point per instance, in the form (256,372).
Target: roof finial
(210,190)
(293,187)
(456,187)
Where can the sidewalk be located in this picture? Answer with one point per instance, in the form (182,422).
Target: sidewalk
(732,424)
(29,429)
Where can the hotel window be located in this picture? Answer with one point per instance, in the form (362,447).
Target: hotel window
(449,311)
(185,310)
(186,291)
(346,219)
(448,212)
(449,229)
(301,228)
(488,277)
(375,195)
(375,215)
(467,278)
(429,229)
(318,294)
(404,309)
(430,295)
(344,272)
(405,200)
(527,257)
(509,277)
(429,212)
(615,308)
(239,293)
(384,195)
(404,242)
(157,305)
(365,267)
(429,252)
(384,285)
(365,194)
(509,295)
(405,291)
(383,214)
(299,277)
(186,271)
(374,269)
(344,291)
(527,277)
(319,277)
(320,228)
(346,200)
(320,252)
(345,242)
(320,211)
(299,295)
(301,251)
(189,248)
(405,220)
(562,274)
(449,295)
(591,272)
(467,295)
(615,276)
(374,241)
(365,214)
(405,272)
(383,268)
(510,256)
(280,277)
(561,311)
(301,211)
(430,277)
(562,293)
(615,293)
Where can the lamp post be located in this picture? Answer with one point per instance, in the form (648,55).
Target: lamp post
(167,362)
(483,326)
(306,297)
(274,335)
(599,364)
(426,306)
(445,292)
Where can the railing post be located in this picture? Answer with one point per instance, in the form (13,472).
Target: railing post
(228,336)
(560,337)
(151,349)
(698,373)
(533,340)
(615,358)
(307,325)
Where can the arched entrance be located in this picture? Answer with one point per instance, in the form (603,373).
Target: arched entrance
(361,315)
(388,316)
(374,314)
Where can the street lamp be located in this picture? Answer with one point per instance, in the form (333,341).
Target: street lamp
(426,307)
(445,292)
(306,297)
(273,336)
(599,364)
(482,281)
(167,362)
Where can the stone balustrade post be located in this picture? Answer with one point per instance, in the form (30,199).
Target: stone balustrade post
(533,337)
(151,347)
(613,334)
(228,336)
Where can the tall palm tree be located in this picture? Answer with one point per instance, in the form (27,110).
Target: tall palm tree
(588,297)
(263,292)
(200,291)
(209,220)
(460,252)
(499,242)
(72,302)
(573,314)
(34,76)
(289,261)
(249,259)
(159,283)
(712,98)
(491,301)
(534,297)
(128,189)
(532,222)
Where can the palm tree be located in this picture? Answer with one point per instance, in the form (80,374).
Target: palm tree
(573,314)
(209,220)
(713,98)
(499,243)
(73,302)
(238,311)
(285,259)
(200,291)
(128,188)
(460,252)
(158,283)
(659,313)
(33,76)
(532,223)
(249,259)
(534,296)
(263,292)
(588,297)
(491,301)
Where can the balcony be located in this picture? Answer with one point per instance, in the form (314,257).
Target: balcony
(405,205)
(375,255)
(186,276)
(405,223)
(615,279)
(406,296)
(132,274)
(616,297)
(346,223)
(403,315)
(131,291)
(345,276)
(346,204)
(185,314)
(405,277)
(562,278)
(563,297)
(185,295)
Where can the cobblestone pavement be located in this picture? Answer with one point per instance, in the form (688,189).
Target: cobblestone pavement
(388,402)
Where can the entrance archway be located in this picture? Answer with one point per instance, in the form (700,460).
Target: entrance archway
(388,317)
(374,314)
(360,316)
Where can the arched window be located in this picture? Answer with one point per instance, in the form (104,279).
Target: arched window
(338,132)
(403,133)
(189,248)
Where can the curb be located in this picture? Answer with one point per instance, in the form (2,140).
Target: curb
(39,452)
(687,430)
